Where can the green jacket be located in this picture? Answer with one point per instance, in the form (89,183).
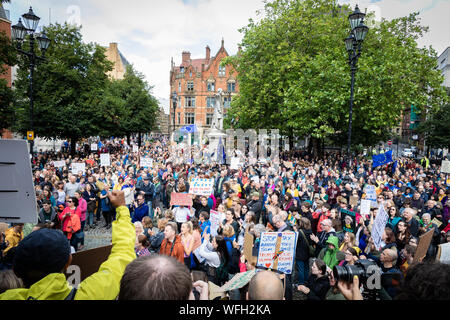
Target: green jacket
(102,285)
(331,257)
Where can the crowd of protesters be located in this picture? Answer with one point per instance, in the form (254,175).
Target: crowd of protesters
(300,193)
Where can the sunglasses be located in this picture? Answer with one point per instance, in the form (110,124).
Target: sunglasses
(70,201)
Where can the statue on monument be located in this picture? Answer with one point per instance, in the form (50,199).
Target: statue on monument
(217,122)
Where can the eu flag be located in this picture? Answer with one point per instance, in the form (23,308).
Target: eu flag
(381,159)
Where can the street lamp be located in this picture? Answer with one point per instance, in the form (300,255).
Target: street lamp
(19,33)
(353,44)
(174,104)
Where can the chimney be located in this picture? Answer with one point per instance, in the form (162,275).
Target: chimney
(186,57)
(208,53)
(113,46)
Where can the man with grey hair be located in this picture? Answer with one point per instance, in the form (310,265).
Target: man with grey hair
(388,259)
(265,285)
(413,224)
(71,186)
(425,226)
(322,238)
(280,224)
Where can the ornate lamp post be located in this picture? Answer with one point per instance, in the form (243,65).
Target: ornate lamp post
(353,43)
(174,104)
(19,33)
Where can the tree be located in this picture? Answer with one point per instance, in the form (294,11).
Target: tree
(436,128)
(68,87)
(8,57)
(294,76)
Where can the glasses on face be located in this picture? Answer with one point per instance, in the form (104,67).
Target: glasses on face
(70,201)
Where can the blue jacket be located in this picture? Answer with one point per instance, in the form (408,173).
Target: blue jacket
(206,226)
(140,212)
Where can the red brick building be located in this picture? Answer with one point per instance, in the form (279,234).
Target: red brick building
(196,82)
(5,27)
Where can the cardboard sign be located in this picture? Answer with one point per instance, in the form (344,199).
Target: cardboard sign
(348,221)
(202,187)
(248,247)
(89,261)
(215,291)
(17,194)
(146,162)
(378,226)
(365,207)
(59,164)
(234,165)
(423,245)
(354,201)
(94,147)
(277,251)
(238,281)
(214,218)
(443,254)
(181,199)
(445,166)
(78,167)
(436,222)
(105,160)
(288,164)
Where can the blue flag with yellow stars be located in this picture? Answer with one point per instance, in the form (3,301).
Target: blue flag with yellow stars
(381,159)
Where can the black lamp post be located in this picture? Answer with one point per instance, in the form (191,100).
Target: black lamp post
(174,104)
(353,43)
(19,32)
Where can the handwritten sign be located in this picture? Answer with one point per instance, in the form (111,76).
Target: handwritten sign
(445,166)
(59,164)
(202,187)
(378,226)
(180,199)
(443,254)
(214,218)
(105,160)
(371,194)
(94,147)
(146,162)
(78,167)
(277,251)
(365,207)
(234,165)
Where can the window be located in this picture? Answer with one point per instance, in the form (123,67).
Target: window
(179,118)
(227,102)
(210,86)
(189,118)
(190,73)
(190,86)
(189,102)
(182,69)
(231,86)
(210,102)
(221,71)
(209,117)
(179,86)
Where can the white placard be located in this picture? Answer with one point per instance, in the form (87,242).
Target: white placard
(77,167)
(202,187)
(135,148)
(214,218)
(146,162)
(59,164)
(234,165)
(371,194)
(105,160)
(17,196)
(445,166)
(365,207)
(94,147)
(378,226)
(277,251)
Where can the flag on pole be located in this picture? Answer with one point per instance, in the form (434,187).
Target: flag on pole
(381,159)
(221,156)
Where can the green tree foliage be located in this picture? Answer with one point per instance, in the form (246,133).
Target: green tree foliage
(293,73)
(7,58)
(436,128)
(68,86)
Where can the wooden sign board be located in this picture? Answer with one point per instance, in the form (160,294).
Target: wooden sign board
(89,261)
(422,247)
(248,247)
(181,199)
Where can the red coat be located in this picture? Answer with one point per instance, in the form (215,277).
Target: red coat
(72,222)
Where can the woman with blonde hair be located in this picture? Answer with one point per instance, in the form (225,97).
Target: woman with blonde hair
(187,240)
(349,242)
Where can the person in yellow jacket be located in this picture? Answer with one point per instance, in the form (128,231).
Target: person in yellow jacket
(13,236)
(42,257)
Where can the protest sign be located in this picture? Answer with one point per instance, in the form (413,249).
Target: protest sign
(445,166)
(78,167)
(248,247)
(348,221)
(135,148)
(146,162)
(238,281)
(378,226)
(17,194)
(288,164)
(89,261)
(214,218)
(234,165)
(353,201)
(422,246)
(59,164)
(443,254)
(436,222)
(365,207)
(371,194)
(277,251)
(202,187)
(94,147)
(105,159)
(180,199)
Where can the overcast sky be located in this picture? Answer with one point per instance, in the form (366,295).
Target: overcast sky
(150,32)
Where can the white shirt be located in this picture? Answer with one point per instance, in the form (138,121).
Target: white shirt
(181,214)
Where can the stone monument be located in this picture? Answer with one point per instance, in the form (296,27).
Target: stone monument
(215,134)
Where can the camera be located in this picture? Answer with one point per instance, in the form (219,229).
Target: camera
(362,268)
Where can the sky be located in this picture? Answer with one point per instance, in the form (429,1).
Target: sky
(150,33)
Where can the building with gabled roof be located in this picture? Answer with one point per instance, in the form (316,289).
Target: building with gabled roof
(119,62)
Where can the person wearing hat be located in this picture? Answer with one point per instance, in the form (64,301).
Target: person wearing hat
(43,256)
